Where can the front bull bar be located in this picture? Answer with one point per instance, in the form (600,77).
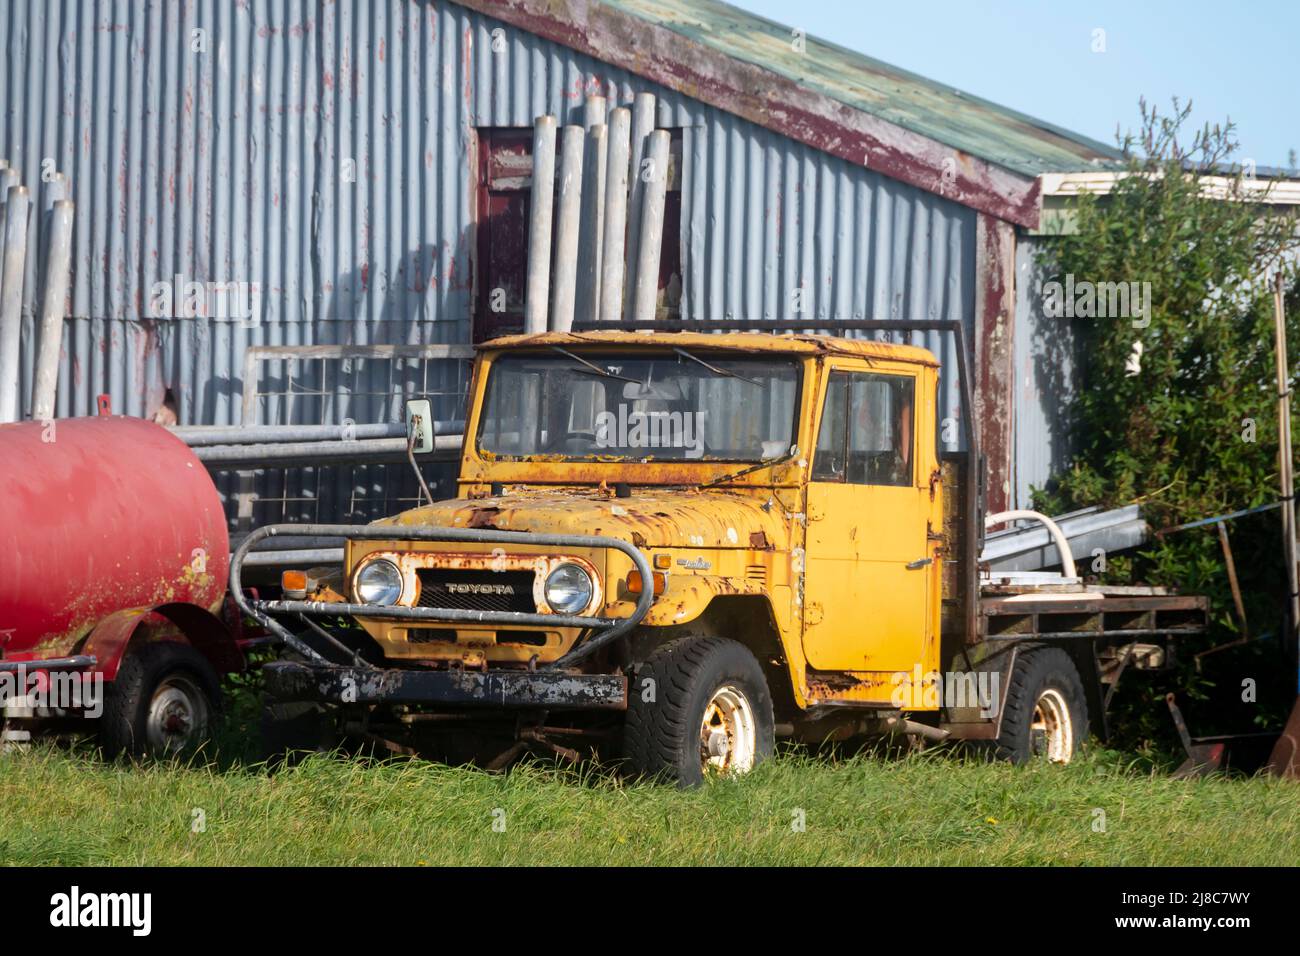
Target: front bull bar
(607,629)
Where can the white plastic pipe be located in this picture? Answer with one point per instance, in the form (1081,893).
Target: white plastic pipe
(568,224)
(1058,536)
(655,184)
(593,223)
(593,112)
(537,297)
(11,299)
(643,124)
(54,297)
(613,262)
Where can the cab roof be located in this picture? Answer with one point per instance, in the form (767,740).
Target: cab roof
(765,342)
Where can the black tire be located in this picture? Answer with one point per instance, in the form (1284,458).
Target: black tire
(291,729)
(1043,676)
(663,736)
(178,681)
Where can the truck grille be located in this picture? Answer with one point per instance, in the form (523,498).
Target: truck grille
(474,590)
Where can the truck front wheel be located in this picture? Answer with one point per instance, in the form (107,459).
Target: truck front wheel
(1046,714)
(697,707)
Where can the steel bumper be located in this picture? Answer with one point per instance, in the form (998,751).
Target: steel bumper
(550,690)
(602,630)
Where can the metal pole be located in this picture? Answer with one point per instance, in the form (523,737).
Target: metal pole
(593,223)
(8,181)
(199,435)
(655,189)
(539,227)
(1284,458)
(613,241)
(643,124)
(568,222)
(1284,761)
(593,113)
(54,297)
(53,191)
(361,449)
(11,300)
(1231,565)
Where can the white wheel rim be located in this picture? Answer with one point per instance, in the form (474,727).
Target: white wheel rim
(178,714)
(728,732)
(1051,734)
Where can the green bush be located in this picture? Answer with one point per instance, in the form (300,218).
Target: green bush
(1188,427)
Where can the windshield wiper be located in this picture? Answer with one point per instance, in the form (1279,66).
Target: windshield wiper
(595,369)
(719,371)
(766,463)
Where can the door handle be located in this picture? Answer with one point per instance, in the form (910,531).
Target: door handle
(919,563)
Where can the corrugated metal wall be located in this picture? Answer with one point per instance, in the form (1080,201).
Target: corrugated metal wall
(1045,379)
(218,141)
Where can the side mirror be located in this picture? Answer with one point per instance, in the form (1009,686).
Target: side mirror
(419,425)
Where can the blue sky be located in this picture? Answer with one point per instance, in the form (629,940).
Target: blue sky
(1036,56)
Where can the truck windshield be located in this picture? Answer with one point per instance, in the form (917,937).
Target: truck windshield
(678,405)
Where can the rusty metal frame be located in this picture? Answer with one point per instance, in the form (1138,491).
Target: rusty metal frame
(74,663)
(973,510)
(548,690)
(608,629)
(994,370)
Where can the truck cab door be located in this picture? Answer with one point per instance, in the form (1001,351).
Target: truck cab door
(870,567)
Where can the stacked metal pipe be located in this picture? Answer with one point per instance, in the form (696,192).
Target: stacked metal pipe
(597,217)
(229,447)
(54,224)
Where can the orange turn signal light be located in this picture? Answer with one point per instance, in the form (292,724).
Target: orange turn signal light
(293,581)
(634,583)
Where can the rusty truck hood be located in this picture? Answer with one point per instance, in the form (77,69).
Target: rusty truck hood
(654,519)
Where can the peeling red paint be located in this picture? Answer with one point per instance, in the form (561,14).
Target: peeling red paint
(995,354)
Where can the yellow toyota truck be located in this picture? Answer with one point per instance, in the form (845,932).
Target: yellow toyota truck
(678,546)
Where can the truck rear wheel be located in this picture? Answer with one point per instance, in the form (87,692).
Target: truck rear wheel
(697,707)
(165,700)
(1046,714)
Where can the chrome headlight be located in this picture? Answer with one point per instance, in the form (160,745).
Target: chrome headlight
(568,589)
(378,582)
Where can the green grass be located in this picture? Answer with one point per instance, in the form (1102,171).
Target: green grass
(67,808)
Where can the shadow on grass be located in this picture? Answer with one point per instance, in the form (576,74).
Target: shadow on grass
(237,748)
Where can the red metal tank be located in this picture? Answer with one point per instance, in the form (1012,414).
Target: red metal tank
(100,516)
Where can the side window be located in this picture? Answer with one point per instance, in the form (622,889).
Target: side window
(832,435)
(866,433)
